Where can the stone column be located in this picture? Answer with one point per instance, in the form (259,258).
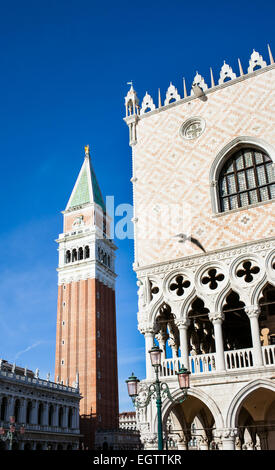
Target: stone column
(182,325)
(162,337)
(228,439)
(10,408)
(203,443)
(75,419)
(34,416)
(181,442)
(23,411)
(148,333)
(55,415)
(253,313)
(217,318)
(262,432)
(45,418)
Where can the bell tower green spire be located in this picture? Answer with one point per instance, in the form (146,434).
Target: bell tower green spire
(86,189)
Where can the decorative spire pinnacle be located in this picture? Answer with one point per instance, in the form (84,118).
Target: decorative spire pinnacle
(131,101)
(270,55)
(184,89)
(240,67)
(212,78)
(159,99)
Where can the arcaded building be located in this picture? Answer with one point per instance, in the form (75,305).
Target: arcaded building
(47,412)
(86,341)
(203,191)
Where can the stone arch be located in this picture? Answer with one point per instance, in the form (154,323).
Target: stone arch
(221,297)
(200,329)
(225,153)
(198,394)
(258,291)
(187,304)
(239,398)
(236,324)
(155,309)
(266,299)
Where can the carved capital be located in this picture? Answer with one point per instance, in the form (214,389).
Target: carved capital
(182,322)
(162,336)
(216,317)
(229,433)
(253,311)
(149,438)
(146,329)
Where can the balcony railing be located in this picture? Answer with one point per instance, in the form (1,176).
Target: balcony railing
(45,428)
(206,363)
(269,355)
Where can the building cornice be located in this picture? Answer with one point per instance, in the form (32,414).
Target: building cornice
(198,259)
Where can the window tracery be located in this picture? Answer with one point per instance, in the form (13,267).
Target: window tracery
(246,178)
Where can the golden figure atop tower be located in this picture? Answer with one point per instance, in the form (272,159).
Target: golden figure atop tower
(87,150)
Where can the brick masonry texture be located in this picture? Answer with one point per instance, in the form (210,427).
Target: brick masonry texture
(86,323)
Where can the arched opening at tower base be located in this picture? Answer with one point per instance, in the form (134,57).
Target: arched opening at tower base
(255,421)
(189,426)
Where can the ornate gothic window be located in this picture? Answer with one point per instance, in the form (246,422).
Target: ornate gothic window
(246,178)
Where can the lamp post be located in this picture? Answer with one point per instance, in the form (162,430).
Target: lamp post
(11,434)
(157,389)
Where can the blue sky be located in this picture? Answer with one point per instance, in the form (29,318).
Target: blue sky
(64,72)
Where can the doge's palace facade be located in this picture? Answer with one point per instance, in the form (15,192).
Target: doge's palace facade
(204,190)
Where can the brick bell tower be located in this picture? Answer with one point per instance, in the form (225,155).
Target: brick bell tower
(86,344)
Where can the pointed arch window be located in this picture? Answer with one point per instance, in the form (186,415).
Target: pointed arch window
(246,178)
(80,253)
(74,255)
(68,256)
(87,252)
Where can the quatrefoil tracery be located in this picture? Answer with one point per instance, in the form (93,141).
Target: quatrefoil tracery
(213,278)
(248,271)
(179,285)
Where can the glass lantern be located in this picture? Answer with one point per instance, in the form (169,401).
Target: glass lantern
(183,378)
(155,355)
(132,385)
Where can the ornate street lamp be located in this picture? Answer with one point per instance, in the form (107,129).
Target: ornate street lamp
(157,389)
(11,434)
